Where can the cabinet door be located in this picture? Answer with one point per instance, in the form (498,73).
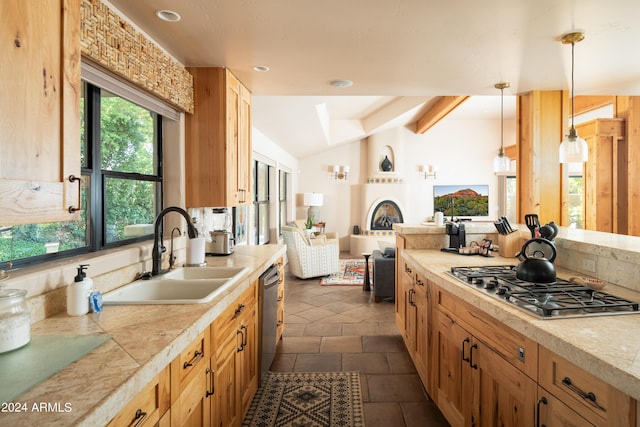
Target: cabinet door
(148,406)
(404,283)
(502,394)
(452,381)
(232,139)
(247,362)
(422,331)
(225,405)
(191,383)
(244,146)
(40,110)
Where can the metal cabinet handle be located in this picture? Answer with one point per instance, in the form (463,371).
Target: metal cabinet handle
(411,292)
(473,365)
(197,355)
(139,418)
(241,347)
(588,396)
(211,382)
(407,269)
(466,340)
(238,310)
(73,178)
(543,401)
(245,334)
(419,282)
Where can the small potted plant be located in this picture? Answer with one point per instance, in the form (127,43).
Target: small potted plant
(308,227)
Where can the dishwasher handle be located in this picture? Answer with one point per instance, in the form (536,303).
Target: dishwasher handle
(271,277)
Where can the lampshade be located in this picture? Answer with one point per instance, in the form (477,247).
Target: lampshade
(313,199)
(501,163)
(573,149)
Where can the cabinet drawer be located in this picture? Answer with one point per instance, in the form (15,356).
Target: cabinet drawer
(189,362)
(148,406)
(597,401)
(552,412)
(519,350)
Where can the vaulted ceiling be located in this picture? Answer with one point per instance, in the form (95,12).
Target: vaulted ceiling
(400,54)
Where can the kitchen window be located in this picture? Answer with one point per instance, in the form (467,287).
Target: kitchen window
(121,184)
(283,198)
(260,204)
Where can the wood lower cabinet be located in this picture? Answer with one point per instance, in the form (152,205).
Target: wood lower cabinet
(413,318)
(218,141)
(475,385)
(235,360)
(150,407)
(191,381)
(40,110)
(596,401)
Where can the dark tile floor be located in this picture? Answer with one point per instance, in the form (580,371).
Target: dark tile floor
(341,328)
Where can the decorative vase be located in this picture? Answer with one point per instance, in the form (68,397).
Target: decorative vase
(386,164)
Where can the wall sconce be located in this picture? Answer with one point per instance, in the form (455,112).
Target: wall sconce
(340,171)
(428,171)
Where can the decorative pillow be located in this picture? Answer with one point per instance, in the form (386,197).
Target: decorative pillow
(389,252)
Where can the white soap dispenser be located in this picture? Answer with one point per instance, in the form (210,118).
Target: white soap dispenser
(78,293)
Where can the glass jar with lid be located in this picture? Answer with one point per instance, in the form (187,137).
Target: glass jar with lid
(15,321)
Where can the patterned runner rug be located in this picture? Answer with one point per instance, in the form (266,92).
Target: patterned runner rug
(307,399)
(351,273)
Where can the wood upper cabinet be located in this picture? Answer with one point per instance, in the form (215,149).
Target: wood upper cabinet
(40,110)
(218,141)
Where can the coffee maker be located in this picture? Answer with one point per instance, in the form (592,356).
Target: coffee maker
(457,236)
(221,237)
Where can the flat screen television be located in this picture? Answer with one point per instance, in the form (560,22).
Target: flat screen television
(465,200)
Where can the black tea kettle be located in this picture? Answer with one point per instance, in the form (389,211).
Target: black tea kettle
(535,267)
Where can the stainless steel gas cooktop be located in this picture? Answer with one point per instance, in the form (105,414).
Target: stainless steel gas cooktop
(561,299)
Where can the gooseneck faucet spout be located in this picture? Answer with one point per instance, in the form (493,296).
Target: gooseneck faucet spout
(158,247)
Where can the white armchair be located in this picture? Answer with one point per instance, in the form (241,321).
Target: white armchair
(311,257)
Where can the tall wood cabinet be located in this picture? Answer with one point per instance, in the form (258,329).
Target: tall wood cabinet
(40,110)
(605,175)
(218,141)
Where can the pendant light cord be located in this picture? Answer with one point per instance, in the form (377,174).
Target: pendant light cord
(501,121)
(573,45)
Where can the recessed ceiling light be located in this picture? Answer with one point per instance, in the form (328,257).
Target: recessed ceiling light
(341,83)
(168,15)
(261,68)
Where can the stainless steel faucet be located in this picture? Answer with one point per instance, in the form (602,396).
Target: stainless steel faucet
(158,247)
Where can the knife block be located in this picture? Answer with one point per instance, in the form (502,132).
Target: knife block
(510,244)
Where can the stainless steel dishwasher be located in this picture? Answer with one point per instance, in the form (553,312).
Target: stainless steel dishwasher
(267,312)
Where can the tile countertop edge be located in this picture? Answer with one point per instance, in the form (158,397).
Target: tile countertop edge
(562,336)
(109,401)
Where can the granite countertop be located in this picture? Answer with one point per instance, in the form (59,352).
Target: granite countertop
(145,339)
(605,346)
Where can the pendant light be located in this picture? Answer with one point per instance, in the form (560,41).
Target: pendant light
(573,149)
(502,162)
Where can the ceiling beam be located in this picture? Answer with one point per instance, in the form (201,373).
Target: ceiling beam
(585,103)
(438,111)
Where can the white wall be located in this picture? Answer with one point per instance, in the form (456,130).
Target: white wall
(462,149)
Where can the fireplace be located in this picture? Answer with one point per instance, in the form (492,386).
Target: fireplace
(385,214)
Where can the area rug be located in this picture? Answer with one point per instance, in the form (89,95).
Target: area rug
(351,273)
(307,399)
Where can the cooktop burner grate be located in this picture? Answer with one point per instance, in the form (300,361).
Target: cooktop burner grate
(560,299)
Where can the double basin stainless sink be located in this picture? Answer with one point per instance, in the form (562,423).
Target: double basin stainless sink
(185,285)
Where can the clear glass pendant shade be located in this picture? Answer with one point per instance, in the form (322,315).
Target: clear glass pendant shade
(501,163)
(573,149)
